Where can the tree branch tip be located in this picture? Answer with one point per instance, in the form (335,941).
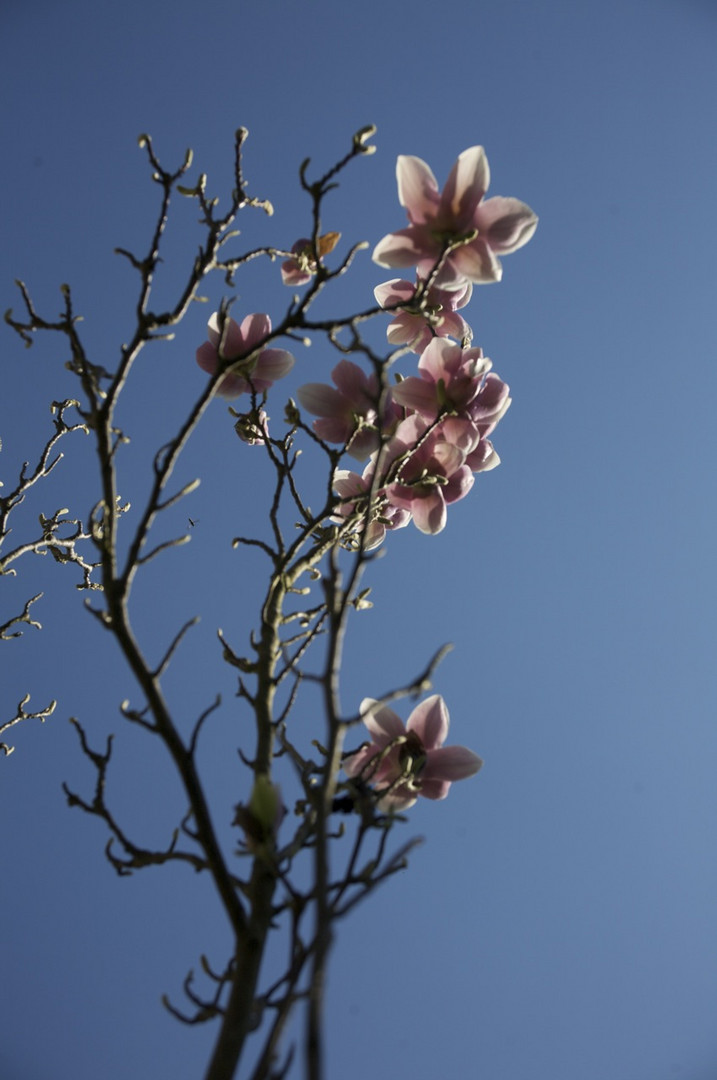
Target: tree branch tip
(359,140)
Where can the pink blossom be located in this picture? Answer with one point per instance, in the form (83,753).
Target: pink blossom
(482,229)
(490,404)
(348,412)
(232,345)
(427,469)
(296,271)
(438,317)
(405,761)
(302,267)
(353,491)
(450,379)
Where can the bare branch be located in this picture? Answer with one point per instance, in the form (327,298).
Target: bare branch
(20,715)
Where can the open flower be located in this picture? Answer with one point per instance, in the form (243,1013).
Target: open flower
(432,469)
(347,410)
(228,341)
(438,317)
(354,491)
(450,379)
(457,220)
(404,761)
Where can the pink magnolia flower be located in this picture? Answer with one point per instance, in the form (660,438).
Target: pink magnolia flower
(296,271)
(457,215)
(439,317)
(490,404)
(353,491)
(302,267)
(347,412)
(235,343)
(450,379)
(428,470)
(405,761)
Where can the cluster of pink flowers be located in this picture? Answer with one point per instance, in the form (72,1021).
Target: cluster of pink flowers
(427,436)
(424,438)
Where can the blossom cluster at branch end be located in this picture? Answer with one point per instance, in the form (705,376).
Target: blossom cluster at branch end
(425,437)
(429,433)
(405,761)
(238,347)
(457,228)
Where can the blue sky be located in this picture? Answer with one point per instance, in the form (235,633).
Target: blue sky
(558,922)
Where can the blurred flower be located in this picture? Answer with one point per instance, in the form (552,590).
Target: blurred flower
(458,215)
(302,267)
(405,761)
(251,427)
(228,341)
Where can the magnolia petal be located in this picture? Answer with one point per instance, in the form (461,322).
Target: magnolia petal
(439,357)
(450,763)
(233,343)
(207,357)
(434,789)
(461,432)
(450,277)
(411,330)
(363,443)
(458,485)
(418,394)
(477,262)
(398,800)
(293,274)
(417,188)
(396,291)
(333,429)
(273,364)
(448,456)
(383,723)
(353,382)
(405,248)
(467,184)
(430,721)
(321,400)
(506,223)
(254,329)
(347,483)
(429,513)
(484,457)
(451,324)
(460,297)
(353,765)
(232,386)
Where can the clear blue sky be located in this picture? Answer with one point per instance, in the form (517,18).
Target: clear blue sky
(559,922)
